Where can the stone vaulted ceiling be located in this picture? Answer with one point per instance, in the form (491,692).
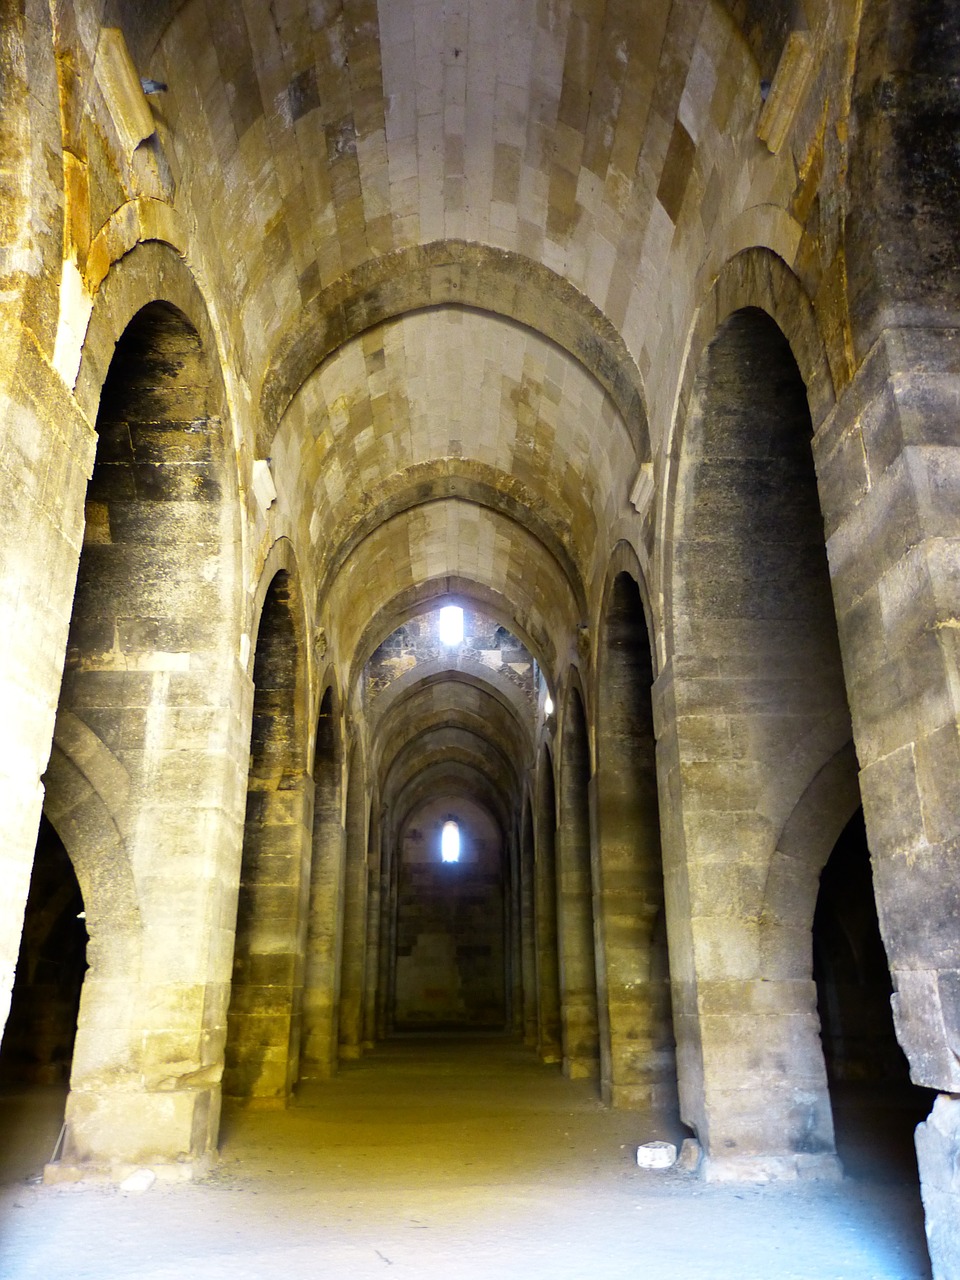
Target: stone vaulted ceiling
(443,233)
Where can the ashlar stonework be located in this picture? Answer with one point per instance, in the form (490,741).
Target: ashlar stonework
(631,329)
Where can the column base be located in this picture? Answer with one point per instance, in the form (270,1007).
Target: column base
(655,1096)
(311,1071)
(60,1173)
(251,1102)
(581,1068)
(123,1128)
(793,1168)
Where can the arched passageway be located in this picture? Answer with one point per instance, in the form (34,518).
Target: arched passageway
(142,752)
(42,1026)
(875,1106)
(757,689)
(36,1054)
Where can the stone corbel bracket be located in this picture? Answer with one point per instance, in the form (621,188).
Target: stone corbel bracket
(787,90)
(122,92)
(643,487)
(263,485)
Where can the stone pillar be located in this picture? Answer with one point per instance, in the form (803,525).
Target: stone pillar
(266,1005)
(372,961)
(387,927)
(890,475)
(578,981)
(528,941)
(676,890)
(48,452)
(750,1067)
(637,1056)
(42,532)
(354,951)
(324,929)
(513,926)
(145,1084)
(549,1041)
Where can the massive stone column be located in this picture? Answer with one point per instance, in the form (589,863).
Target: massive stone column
(386,961)
(155,862)
(578,979)
(266,1001)
(40,547)
(354,951)
(891,479)
(890,476)
(325,911)
(637,1055)
(374,918)
(549,1044)
(528,937)
(513,976)
(47,450)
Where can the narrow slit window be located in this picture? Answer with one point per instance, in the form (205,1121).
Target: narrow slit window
(451,624)
(450,841)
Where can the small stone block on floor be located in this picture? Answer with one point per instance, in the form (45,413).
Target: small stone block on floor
(690,1155)
(656,1155)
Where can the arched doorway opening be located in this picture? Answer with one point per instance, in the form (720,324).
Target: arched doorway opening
(134,771)
(37,1050)
(875,1106)
(756,709)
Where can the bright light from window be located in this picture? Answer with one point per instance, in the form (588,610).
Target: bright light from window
(450,841)
(548,706)
(451,624)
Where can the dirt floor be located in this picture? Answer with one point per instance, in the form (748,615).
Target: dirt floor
(462,1159)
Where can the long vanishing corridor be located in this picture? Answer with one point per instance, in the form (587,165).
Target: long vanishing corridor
(479,638)
(463,1158)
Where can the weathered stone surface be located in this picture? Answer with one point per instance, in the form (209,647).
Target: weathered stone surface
(460,283)
(938,1140)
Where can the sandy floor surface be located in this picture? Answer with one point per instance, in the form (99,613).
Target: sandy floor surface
(462,1159)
